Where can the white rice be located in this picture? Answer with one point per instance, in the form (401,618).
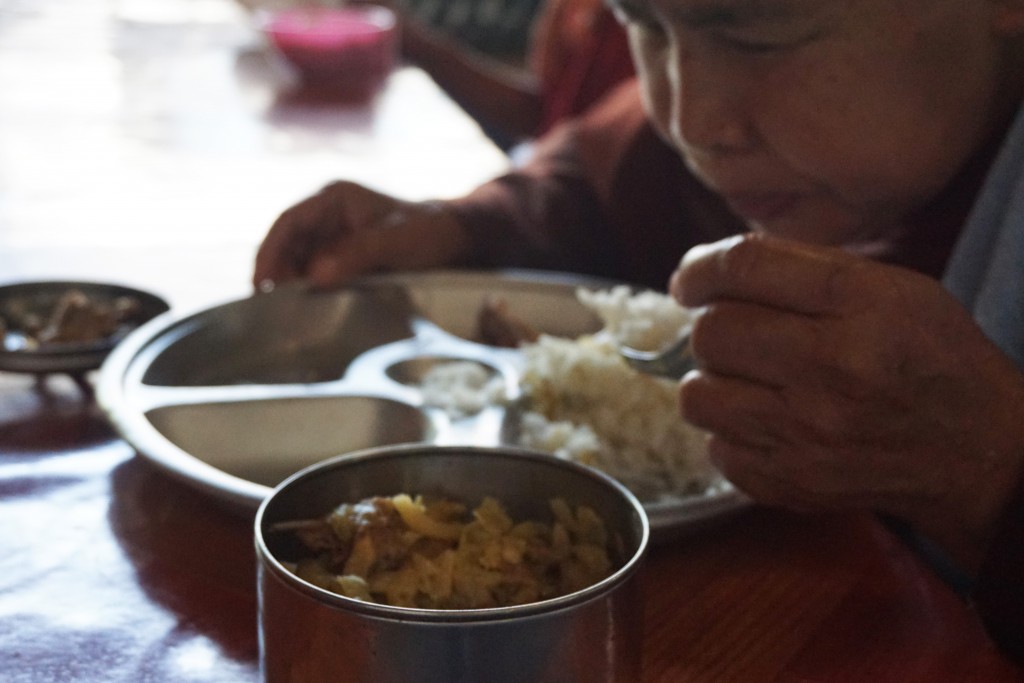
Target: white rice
(645,320)
(584,403)
(461,387)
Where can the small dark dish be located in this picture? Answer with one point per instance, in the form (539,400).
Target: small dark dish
(31,341)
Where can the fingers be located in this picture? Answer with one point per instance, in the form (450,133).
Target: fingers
(752,470)
(274,260)
(327,238)
(759,343)
(737,410)
(347,230)
(296,236)
(766,455)
(369,250)
(282,258)
(765,270)
(786,314)
(410,236)
(743,466)
(826,381)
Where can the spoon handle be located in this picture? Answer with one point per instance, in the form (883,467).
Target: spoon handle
(673,361)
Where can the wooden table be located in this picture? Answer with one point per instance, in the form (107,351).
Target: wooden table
(151,143)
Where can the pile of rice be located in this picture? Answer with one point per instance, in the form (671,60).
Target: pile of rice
(462,388)
(644,320)
(584,403)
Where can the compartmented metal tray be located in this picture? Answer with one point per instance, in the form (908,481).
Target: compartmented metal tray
(235,398)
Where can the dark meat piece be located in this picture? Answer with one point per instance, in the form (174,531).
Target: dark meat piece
(76,318)
(376,521)
(499,327)
(371,529)
(319,537)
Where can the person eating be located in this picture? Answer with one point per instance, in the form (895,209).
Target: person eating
(837,187)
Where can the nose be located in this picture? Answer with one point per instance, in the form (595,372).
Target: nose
(710,111)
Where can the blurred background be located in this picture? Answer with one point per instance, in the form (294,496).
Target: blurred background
(499,28)
(153,142)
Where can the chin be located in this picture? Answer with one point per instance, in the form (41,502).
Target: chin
(816,228)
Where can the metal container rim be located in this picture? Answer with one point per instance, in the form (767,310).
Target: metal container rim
(630,565)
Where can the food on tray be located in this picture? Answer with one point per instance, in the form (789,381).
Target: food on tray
(462,387)
(498,326)
(582,402)
(75,318)
(645,320)
(408,552)
(79,318)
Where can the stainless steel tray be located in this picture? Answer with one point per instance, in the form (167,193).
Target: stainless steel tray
(235,398)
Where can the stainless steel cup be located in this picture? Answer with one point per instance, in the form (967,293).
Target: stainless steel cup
(311,635)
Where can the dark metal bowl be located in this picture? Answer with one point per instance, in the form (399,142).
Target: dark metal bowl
(40,298)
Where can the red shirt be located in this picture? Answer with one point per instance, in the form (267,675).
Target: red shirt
(579,52)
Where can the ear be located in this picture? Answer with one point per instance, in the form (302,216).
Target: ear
(1008,17)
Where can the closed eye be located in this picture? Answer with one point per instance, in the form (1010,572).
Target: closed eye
(764,46)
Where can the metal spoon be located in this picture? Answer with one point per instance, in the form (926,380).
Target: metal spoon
(672,361)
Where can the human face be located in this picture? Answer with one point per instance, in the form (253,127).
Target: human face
(820,120)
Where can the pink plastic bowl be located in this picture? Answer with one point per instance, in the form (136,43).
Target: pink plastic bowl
(353,46)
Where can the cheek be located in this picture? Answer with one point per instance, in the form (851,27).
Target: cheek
(823,142)
(882,131)
(652,71)
(804,115)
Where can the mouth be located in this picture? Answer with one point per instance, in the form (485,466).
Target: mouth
(762,207)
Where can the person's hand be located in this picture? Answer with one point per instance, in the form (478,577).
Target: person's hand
(346,230)
(829,381)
